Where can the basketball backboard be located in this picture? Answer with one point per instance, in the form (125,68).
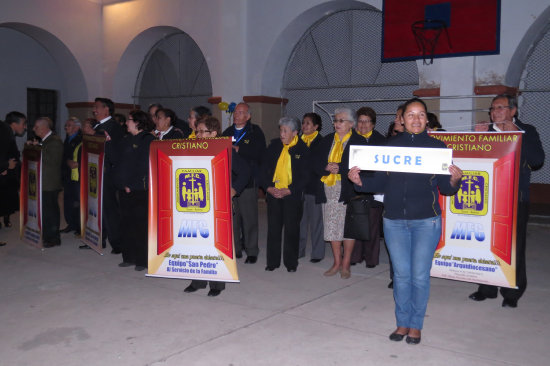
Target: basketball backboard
(472,28)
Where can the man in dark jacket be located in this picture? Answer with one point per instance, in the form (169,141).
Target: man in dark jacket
(103,110)
(249,143)
(52,156)
(503,113)
(71,176)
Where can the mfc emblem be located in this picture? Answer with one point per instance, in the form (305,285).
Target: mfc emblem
(193,192)
(473,196)
(92,182)
(32,184)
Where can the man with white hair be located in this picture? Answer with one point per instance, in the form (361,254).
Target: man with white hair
(52,156)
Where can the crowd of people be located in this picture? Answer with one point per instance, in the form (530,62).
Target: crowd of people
(305,178)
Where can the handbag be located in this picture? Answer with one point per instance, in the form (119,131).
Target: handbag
(357,225)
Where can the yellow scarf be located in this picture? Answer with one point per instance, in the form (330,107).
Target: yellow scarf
(367,135)
(283,170)
(192,135)
(335,156)
(308,139)
(74,172)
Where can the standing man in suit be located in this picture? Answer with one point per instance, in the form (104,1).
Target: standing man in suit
(249,143)
(71,176)
(52,157)
(103,110)
(503,114)
(15,125)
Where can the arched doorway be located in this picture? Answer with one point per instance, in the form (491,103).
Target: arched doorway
(338,58)
(175,74)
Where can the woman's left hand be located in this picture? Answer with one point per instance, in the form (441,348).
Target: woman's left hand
(456,175)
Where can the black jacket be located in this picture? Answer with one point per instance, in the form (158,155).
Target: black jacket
(240,172)
(532,157)
(320,161)
(314,180)
(251,148)
(409,196)
(175,133)
(299,157)
(132,164)
(116,132)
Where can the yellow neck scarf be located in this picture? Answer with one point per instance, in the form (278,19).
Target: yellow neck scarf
(192,135)
(309,138)
(335,156)
(74,172)
(283,170)
(366,135)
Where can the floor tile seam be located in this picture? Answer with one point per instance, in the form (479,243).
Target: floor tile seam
(213,338)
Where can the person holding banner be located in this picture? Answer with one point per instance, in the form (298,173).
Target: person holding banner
(132,181)
(210,127)
(412,221)
(331,164)
(284,175)
(503,114)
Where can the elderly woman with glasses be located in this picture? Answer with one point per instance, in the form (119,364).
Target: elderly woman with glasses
(331,164)
(284,175)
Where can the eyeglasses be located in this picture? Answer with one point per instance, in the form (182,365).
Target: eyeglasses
(499,108)
(340,120)
(364,121)
(204,131)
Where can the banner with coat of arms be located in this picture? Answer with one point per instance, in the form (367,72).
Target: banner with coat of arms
(478,242)
(30,199)
(190,212)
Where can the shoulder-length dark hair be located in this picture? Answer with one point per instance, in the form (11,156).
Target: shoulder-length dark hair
(142,119)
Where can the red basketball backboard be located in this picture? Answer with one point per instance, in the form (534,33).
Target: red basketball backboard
(472,28)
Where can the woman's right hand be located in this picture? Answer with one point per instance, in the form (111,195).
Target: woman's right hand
(353,175)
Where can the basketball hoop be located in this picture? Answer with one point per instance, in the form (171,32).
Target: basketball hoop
(427,32)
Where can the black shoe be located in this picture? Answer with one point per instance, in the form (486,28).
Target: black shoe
(140,268)
(371,265)
(270,269)
(116,251)
(190,289)
(412,340)
(239,255)
(291,269)
(125,264)
(478,296)
(84,246)
(251,259)
(315,260)
(2,243)
(390,285)
(214,292)
(397,337)
(77,233)
(48,244)
(509,303)
(353,264)
(66,230)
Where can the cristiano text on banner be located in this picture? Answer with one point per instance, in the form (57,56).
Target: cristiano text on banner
(30,199)
(478,242)
(190,212)
(91,191)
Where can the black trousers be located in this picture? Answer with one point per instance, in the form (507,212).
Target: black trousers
(214,285)
(283,213)
(71,204)
(134,211)
(111,215)
(369,250)
(521,272)
(50,217)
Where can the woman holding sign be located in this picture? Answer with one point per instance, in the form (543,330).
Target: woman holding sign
(412,221)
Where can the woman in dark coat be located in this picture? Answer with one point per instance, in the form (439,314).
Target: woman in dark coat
(133,184)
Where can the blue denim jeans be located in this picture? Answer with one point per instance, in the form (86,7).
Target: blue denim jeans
(411,244)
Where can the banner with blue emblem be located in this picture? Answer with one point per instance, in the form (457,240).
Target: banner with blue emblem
(478,242)
(190,212)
